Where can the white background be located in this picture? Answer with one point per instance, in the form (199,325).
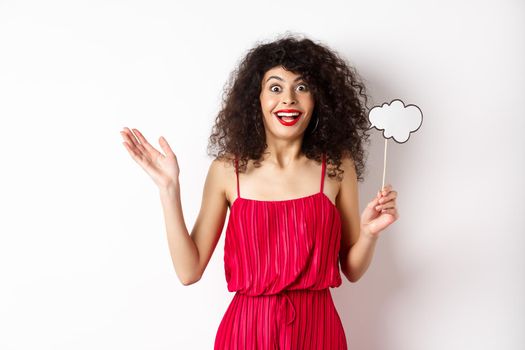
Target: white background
(84,261)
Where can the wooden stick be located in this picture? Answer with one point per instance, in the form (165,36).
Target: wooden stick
(384,165)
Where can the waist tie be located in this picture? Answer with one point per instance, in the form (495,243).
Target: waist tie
(286,300)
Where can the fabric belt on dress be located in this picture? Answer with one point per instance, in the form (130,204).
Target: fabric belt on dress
(285,301)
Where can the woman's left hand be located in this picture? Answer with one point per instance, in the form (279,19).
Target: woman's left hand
(379,213)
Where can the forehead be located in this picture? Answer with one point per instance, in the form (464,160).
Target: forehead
(279,71)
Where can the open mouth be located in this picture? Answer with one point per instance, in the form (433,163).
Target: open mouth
(288,118)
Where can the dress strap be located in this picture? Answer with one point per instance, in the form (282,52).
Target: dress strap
(323,171)
(237,176)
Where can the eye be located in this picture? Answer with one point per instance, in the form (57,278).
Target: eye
(305,87)
(274,86)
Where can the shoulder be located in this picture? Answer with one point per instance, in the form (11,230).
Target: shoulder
(222,173)
(221,167)
(348,165)
(349,176)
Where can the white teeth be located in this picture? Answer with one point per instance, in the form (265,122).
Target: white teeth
(282,114)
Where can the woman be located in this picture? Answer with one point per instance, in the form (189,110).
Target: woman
(294,112)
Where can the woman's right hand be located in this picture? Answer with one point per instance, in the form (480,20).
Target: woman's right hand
(163,169)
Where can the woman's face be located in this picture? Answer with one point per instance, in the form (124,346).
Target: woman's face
(286,102)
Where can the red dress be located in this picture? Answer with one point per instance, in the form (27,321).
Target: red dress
(281,257)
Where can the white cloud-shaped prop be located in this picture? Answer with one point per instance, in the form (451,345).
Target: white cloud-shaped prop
(396,120)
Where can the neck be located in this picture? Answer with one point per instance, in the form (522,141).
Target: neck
(283,153)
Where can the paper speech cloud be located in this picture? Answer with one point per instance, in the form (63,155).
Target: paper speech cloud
(396,120)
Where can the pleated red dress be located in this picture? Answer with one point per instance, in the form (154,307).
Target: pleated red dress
(281,258)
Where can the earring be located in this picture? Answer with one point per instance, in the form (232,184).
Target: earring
(257,129)
(316,123)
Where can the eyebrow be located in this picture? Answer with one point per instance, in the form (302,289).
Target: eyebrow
(281,79)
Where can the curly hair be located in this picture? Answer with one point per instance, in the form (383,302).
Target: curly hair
(340,103)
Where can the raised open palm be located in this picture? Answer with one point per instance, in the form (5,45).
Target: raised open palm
(162,168)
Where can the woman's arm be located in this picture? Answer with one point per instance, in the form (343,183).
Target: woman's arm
(359,257)
(357,246)
(191,253)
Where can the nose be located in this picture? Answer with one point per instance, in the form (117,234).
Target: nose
(289,98)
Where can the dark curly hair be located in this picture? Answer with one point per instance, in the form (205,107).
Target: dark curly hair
(340,103)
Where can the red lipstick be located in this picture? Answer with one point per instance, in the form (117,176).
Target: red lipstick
(288,114)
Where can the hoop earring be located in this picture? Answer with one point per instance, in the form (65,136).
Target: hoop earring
(257,129)
(316,123)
